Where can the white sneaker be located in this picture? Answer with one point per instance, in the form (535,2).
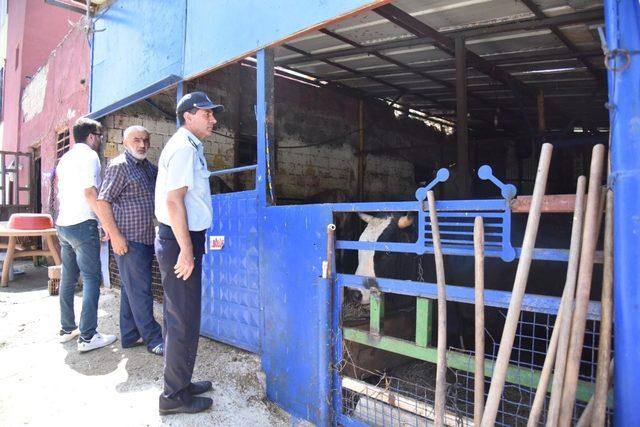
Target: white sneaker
(97,341)
(66,336)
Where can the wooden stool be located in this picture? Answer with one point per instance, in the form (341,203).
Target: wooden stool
(47,234)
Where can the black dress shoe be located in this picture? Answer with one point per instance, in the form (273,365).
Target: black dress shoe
(199,387)
(191,406)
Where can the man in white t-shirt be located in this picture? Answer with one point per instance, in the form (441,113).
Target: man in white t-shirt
(183,208)
(78,175)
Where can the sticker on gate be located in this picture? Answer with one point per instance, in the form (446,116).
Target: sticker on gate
(216,243)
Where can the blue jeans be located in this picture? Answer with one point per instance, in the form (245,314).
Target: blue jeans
(136,299)
(80,247)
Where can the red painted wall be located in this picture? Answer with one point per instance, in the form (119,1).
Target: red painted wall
(66,99)
(40,34)
(34,30)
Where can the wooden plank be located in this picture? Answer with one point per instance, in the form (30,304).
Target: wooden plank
(399,401)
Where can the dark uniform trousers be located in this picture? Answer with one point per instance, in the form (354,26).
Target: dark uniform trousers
(181,311)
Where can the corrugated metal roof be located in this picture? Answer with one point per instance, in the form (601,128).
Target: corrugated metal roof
(548,45)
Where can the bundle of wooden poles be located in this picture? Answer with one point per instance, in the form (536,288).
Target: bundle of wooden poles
(562,363)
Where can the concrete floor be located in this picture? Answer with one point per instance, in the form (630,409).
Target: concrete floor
(43,382)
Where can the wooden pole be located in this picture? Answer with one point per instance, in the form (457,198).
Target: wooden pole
(589,240)
(606,321)
(587,414)
(441,369)
(564,311)
(519,285)
(564,325)
(478,249)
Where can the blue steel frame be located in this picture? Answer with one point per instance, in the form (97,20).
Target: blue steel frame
(462,294)
(456,230)
(623,36)
(622,18)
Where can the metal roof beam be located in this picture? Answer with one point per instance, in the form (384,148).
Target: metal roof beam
(527,25)
(598,74)
(408,68)
(508,59)
(388,59)
(446,44)
(400,89)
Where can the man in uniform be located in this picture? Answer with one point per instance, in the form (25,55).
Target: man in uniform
(183,208)
(78,182)
(125,204)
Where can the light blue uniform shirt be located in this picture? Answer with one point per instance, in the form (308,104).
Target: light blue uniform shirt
(182,164)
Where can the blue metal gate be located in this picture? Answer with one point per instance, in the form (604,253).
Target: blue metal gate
(357,403)
(230,273)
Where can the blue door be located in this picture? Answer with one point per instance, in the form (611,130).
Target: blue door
(230,277)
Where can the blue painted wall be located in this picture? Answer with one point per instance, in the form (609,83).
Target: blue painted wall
(142,44)
(292,248)
(146,42)
(225,29)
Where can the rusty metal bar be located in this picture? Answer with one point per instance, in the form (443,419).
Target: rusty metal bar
(556,203)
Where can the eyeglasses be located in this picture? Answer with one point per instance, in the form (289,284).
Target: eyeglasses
(97,134)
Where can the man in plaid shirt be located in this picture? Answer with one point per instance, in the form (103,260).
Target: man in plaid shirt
(126,206)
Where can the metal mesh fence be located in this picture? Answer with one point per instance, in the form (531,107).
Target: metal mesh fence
(404,396)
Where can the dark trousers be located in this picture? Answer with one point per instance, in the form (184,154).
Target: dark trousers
(136,299)
(181,311)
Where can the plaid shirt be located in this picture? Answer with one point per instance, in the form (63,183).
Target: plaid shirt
(129,185)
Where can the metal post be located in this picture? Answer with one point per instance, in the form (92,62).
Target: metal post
(179,95)
(361,154)
(462,131)
(264,117)
(542,125)
(623,36)
(238,127)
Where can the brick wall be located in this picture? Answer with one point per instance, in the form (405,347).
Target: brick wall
(316,130)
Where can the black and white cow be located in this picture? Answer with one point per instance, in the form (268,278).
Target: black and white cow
(392,265)
(545,278)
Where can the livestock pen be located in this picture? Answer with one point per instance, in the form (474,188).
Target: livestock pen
(373,99)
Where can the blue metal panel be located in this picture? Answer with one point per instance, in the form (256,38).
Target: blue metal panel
(623,39)
(292,248)
(213,38)
(463,294)
(231,310)
(456,235)
(141,46)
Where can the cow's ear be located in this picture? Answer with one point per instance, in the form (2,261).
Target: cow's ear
(405,221)
(365,217)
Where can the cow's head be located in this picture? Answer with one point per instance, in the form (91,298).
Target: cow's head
(387,228)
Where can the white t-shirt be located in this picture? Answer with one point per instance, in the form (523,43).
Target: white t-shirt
(77,170)
(182,164)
